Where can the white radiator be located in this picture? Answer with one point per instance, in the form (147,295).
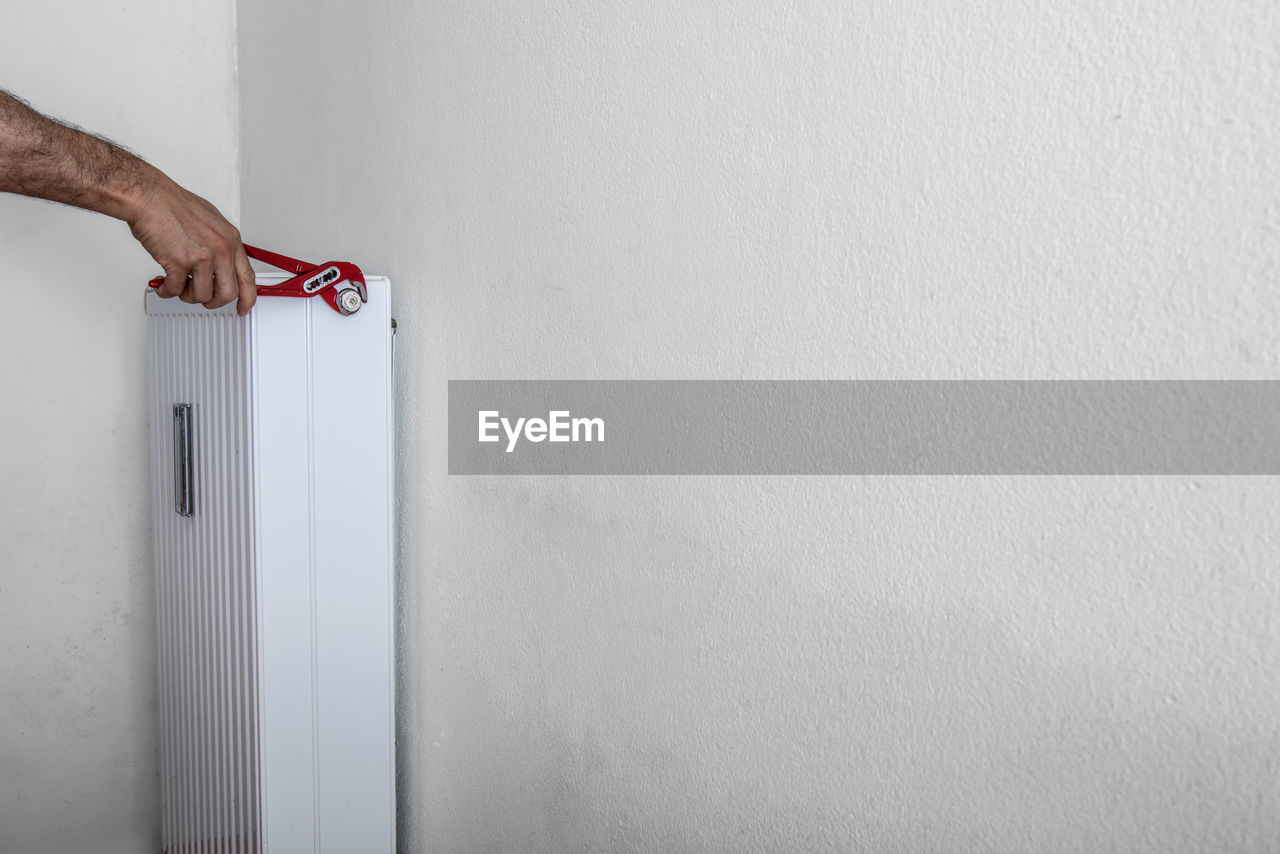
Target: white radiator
(271,460)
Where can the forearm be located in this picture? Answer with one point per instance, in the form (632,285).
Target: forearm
(42,158)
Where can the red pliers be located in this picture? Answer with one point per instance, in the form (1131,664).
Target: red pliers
(311,279)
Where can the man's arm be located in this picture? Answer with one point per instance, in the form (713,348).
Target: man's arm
(201,253)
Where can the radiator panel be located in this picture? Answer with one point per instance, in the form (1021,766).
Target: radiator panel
(352,540)
(284,458)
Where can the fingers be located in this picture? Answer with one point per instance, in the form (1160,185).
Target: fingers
(226,278)
(175,282)
(225,288)
(247,282)
(200,288)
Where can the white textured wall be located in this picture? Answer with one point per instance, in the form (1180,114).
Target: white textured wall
(78,762)
(807,189)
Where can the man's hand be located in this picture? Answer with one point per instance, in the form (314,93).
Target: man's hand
(201,253)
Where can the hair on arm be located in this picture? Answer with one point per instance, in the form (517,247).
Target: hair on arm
(46,159)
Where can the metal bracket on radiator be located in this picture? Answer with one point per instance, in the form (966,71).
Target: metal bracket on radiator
(183,459)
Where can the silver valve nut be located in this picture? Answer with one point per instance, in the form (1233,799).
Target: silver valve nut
(349,301)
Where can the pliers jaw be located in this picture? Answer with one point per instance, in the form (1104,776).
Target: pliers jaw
(339,283)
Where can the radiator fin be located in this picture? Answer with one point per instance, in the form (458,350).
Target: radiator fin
(206,582)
